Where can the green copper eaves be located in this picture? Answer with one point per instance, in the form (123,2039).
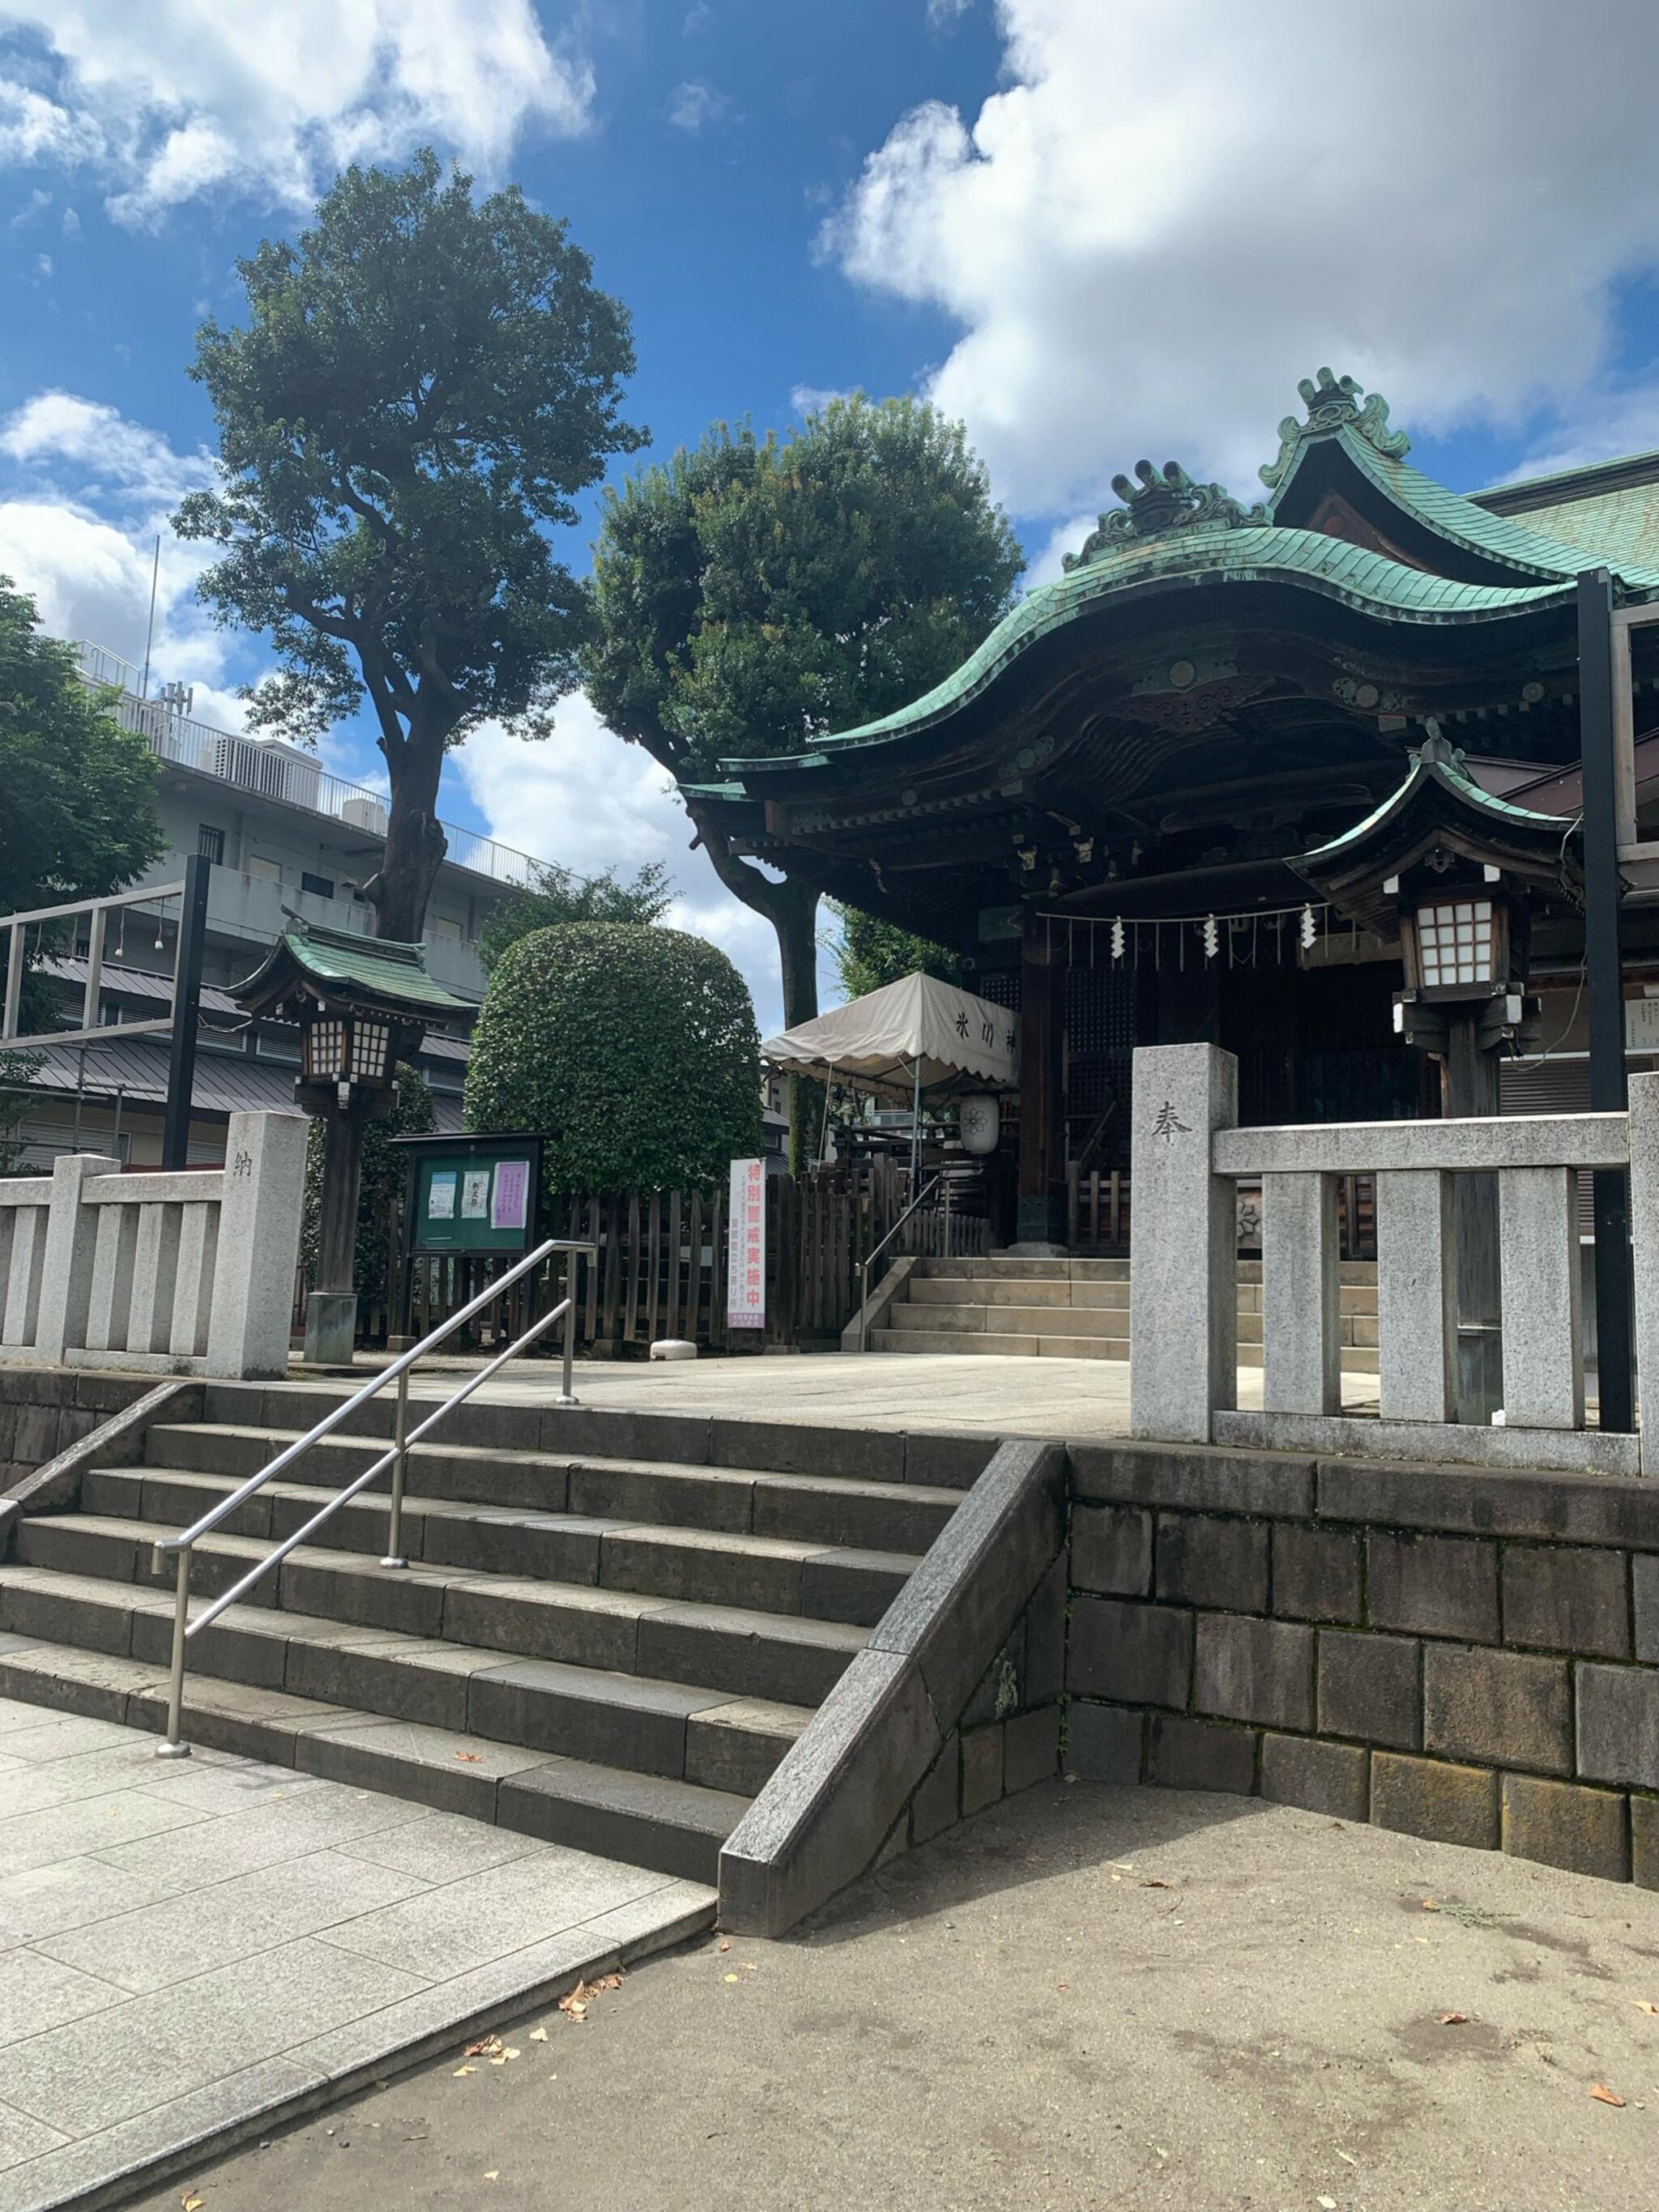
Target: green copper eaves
(393,974)
(1353,575)
(1438,762)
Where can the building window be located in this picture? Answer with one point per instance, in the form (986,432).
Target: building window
(210,844)
(268,871)
(318,886)
(440,926)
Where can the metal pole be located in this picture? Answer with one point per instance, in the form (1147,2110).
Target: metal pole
(915,1133)
(174,1747)
(186,1005)
(567,1395)
(149,635)
(1605,991)
(394,1542)
(947,1218)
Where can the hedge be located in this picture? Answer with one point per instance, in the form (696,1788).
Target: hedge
(633,1049)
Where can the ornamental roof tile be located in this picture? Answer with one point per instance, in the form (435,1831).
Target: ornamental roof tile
(392,974)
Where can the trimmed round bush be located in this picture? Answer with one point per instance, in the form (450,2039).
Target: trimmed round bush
(632,1049)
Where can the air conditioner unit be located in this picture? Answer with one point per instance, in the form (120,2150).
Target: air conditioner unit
(363,813)
(273,770)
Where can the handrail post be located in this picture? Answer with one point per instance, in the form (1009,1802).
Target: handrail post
(173,1746)
(567,1395)
(395,1555)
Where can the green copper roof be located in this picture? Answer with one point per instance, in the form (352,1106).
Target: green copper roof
(1437,762)
(1352,574)
(1171,530)
(393,974)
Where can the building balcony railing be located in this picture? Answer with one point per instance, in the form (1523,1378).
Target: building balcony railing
(272,771)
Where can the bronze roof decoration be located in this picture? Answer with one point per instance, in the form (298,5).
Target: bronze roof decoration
(1332,403)
(1167,500)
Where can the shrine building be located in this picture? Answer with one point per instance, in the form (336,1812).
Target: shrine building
(1173,796)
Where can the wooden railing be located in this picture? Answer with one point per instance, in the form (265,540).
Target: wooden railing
(661,1269)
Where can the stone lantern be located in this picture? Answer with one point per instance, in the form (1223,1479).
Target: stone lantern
(1456,875)
(361,1004)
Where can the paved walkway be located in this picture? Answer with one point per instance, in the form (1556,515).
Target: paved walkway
(184,1948)
(1087,1997)
(1081,1401)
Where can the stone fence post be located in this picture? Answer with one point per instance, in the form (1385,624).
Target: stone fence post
(259,1244)
(71,1242)
(1183,1284)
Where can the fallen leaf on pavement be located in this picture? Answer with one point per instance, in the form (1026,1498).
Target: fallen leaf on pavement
(1349,2156)
(574,2004)
(1603,2095)
(1327,2203)
(471,1758)
(1428,1905)
(1642,2005)
(726,1945)
(538,2035)
(494,2175)
(1452,2019)
(1153,1882)
(459,2070)
(729,1978)
(190,2201)
(485,2047)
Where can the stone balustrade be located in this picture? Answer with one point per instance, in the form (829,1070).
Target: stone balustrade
(188,1273)
(1189,1155)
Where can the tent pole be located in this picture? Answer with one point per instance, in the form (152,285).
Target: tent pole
(915,1136)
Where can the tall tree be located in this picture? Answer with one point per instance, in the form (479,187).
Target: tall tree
(79,818)
(871,953)
(557,896)
(425,380)
(754,593)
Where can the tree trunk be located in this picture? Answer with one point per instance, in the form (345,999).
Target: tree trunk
(415,843)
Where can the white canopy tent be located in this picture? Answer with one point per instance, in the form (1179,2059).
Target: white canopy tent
(913,1039)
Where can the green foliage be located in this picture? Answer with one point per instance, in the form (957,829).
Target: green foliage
(870,953)
(17,1071)
(384,1171)
(79,819)
(632,1049)
(424,383)
(755,592)
(557,897)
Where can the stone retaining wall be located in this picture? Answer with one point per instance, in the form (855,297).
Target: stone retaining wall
(1467,1655)
(45,1410)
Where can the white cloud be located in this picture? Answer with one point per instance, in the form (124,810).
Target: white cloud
(84,494)
(179,98)
(1169,213)
(695,105)
(813,398)
(941,13)
(585,800)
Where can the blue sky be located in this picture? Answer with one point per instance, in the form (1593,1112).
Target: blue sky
(1094,228)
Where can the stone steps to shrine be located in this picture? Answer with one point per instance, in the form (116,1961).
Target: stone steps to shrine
(608,1649)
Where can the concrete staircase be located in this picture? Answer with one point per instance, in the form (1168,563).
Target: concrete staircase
(1078,1310)
(612,1629)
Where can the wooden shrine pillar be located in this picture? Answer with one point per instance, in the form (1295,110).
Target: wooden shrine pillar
(1041,1212)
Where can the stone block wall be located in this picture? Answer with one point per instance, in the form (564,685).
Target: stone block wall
(1464,1654)
(45,1410)
(1008,1736)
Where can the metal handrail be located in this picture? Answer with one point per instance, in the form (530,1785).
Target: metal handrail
(395,1456)
(869,1261)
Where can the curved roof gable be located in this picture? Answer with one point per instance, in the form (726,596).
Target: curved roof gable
(1171,529)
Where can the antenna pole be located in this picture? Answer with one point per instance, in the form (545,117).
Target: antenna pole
(149,635)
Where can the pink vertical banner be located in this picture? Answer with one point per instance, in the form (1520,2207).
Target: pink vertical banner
(745,1268)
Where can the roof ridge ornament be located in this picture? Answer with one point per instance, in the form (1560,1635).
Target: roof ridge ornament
(1335,402)
(1167,499)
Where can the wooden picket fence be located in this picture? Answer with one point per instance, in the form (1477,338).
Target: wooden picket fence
(660,1269)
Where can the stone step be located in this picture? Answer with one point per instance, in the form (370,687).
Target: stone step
(674,1827)
(945,1290)
(884,1516)
(647,1725)
(1013,1321)
(1035,1271)
(760,1574)
(968,1343)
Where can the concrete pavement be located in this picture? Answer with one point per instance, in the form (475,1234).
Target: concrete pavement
(1086,1997)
